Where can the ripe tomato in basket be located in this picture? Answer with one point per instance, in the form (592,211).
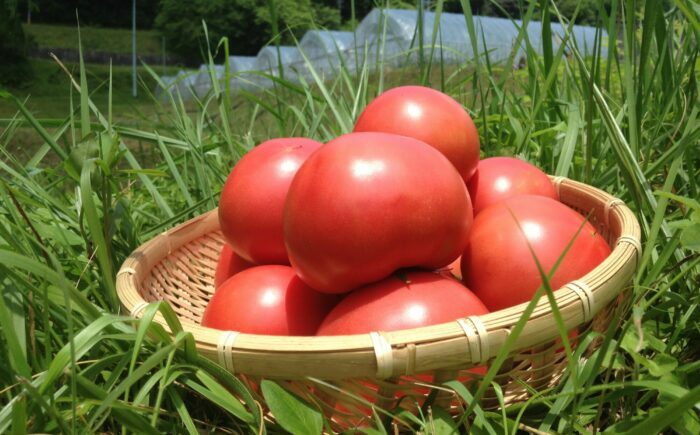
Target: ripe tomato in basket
(228,265)
(267,300)
(497,264)
(367,204)
(427,115)
(409,299)
(499,178)
(252,200)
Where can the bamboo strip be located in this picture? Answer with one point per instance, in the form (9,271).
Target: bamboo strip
(178,266)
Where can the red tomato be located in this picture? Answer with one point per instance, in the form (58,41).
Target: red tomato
(367,204)
(252,200)
(267,300)
(497,264)
(499,178)
(416,299)
(427,115)
(229,264)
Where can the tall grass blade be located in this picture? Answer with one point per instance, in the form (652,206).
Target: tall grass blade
(84,107)
(669,414)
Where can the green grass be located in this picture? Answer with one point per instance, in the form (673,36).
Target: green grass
(76,203)
(49,92)
(48,96)
(148,42)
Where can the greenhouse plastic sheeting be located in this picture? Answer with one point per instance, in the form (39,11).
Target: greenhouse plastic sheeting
(184,84)
(451,44)
(321,43)
(242,70)
(167,86)
(402,41)
(203,83)
(269,60)
(496,37)
(326,51)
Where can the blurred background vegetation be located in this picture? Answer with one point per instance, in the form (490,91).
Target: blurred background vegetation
(172,29)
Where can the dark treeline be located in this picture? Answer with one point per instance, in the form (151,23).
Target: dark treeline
(117,13)
(248,24)
(100,13)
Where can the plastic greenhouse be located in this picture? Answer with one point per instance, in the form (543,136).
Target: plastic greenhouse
(202,82)
(183,83)
(240,68)
(496,37)
(326,50)
(167,86)
(452,44)
(269,60)
(398,28)
(389,37)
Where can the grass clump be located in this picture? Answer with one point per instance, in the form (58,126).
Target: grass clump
(75,205)
(101,39)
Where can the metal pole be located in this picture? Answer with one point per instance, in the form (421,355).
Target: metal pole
(133,49)
(163,72)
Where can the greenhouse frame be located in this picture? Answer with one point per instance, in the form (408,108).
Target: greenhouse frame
(391,38)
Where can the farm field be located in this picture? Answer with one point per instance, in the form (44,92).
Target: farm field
(88,174)
(52,36)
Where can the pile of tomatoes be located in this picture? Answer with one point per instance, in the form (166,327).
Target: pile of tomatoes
(393,226)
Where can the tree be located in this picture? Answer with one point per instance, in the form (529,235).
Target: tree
(103,13)
(588,12)
(14,66)
(247,23)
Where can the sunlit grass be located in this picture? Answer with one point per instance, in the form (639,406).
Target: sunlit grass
(91,188)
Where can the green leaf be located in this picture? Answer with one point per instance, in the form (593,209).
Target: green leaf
(127,417)
(663,364)
(58,233)
(82,343)
(688,202)
(215,392)
(14,303)
(84,93)
(569,146)
(182,411)
(690,236)
(441,423)
(19,416)
(293,414)
(468,398)
(668,415)
(97,233)
(149,172)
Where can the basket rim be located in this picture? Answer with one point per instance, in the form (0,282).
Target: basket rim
(394,352)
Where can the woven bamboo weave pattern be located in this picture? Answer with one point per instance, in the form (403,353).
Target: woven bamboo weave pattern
(178,266)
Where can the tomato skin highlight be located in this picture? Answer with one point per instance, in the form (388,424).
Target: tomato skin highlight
(252,200)
(267,300)
(500,178)
(427,115)
(367,204)
(413,299)
(497,264)
(228,265)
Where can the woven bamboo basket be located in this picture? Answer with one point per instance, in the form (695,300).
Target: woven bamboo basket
(383,367)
